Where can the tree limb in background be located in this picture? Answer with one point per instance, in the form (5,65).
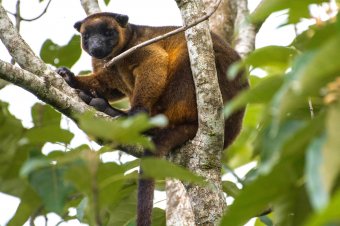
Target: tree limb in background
(246,32)
(90,6)
(204,147)
(222,22)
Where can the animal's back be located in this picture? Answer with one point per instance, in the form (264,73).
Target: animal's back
(178,102)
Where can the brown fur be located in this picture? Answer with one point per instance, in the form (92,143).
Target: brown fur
(158,79)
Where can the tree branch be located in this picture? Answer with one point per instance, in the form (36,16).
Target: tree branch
(161,37)
(27,60)
(90,6)
(37,85)
(25,56)
(203,154)
(246,32)
(40,15)
(38,79)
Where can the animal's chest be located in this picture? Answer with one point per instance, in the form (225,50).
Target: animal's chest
(127,78)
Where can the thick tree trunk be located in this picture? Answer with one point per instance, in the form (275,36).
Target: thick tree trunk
(230,16)
(203,154)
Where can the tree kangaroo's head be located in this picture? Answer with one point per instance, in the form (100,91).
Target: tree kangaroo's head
(103,34)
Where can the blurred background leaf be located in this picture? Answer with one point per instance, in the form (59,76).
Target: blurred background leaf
(58,56)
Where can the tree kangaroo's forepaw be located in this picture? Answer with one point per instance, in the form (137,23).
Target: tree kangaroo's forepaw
(100,104)
(89,97)
(67,75)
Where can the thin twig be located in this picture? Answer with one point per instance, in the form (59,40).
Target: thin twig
(32,19)
(41,14)
(17,22)
(158,38)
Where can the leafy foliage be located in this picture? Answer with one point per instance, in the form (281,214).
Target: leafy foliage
(290,127)
(103,193)
(290,131)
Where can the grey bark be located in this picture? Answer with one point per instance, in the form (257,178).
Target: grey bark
(223,20)
(178,211)
(90,6)
(246,32)
(230,16)
(203,154)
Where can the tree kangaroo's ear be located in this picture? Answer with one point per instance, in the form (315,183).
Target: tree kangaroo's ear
(77,25)
(121,19)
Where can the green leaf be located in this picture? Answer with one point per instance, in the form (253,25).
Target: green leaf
(316,188)
(329,215)
(241,150)
(274,59)
(81,209)
(49,133)
(254,199)
(271,142)
(47,126)
(30,203)
(125,212)
(316,35)
(306,81)
(330,168)
(262,92)
(230,188)
(107,2)
(122,130)
(297,9)
(61,55)
(158,217)
(160,169)
(293,207)
(280,179)
(11,133)
(32,165)
(264,220)
(49,183)
(111,179)
(45,115)
(312,77)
